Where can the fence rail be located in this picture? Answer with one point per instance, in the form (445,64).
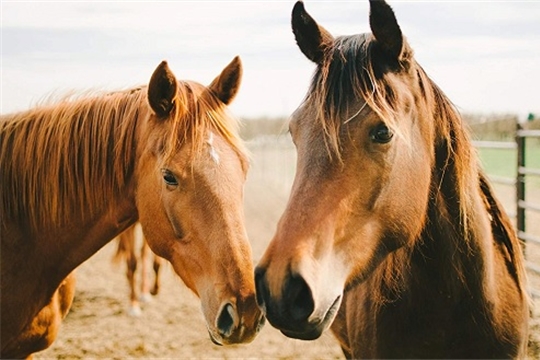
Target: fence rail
(495,144)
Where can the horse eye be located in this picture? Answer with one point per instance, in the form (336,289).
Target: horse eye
(169,178)
(381,134)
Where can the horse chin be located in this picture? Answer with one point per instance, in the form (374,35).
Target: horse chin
(310,335)
(313,331)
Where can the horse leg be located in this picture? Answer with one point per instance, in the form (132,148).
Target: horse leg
(131,262)
(126,252)
(157,265)
(145,286)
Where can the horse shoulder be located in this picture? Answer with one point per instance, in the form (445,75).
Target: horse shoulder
(43,329)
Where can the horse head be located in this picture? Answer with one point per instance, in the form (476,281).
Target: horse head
(190,180)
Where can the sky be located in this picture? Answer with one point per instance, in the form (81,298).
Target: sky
(484,54)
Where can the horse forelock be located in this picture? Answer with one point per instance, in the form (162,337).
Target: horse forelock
(56,158)
(199,113)
(348,75)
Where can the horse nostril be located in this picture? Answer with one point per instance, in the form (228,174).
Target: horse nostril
(298,295)
(225,321)
(261,289)
(297,303)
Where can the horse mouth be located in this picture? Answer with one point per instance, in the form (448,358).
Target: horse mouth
(214,340)
(309,335)
(241,335)
(313,331)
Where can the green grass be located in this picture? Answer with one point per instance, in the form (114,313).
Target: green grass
(503,162)
(500,162)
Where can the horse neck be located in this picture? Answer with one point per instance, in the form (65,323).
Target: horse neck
(83,156)
(446,258)
(455,249)
(77,195)
(457,231)
(452,252)
(458,228)
(113,168)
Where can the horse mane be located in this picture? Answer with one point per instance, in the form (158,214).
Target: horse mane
(76,155)
(350,71)
(346,74)
(505,235)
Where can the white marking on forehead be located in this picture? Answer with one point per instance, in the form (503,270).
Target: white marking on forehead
(213,153)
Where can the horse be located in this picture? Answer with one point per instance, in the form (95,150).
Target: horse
(392,236)
(126,250)
(79,171)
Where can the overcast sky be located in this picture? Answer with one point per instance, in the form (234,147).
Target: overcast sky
(484,54)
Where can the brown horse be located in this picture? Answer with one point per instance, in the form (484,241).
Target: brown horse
(392,235)
(77,173)
(127,251)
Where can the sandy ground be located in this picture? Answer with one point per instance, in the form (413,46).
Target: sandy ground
(172,325)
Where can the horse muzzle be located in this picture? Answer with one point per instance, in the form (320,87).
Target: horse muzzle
(294,312)
(230,327)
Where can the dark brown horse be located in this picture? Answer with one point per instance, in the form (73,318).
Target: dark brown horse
(77,173)
(127,251)
(392,236)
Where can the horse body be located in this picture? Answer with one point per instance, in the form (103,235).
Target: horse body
(50,257)
(392,236)
(78,173)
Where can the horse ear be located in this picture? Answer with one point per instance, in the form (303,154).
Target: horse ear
(312,39)
(162,90)
(385,28)
(227,84)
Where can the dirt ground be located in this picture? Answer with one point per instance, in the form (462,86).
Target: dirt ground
(172,325)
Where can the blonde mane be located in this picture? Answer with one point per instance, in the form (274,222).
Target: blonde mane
(74,157)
